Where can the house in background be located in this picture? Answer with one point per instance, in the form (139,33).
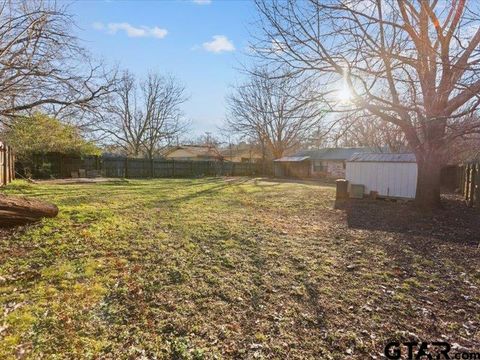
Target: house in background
(292,167)
(330,162)
(192,152)
(243,152)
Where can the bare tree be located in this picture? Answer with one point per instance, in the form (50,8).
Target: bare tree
(370,131)
(42,64)
(163,115)
(144,118)
(122,123)
(274,110)
(413,64)
(207,139)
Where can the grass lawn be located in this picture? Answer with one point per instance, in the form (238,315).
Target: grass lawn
(233,268)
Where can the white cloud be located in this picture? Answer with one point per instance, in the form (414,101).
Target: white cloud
(220,43)
(158,32)
(202,2)
(130,30)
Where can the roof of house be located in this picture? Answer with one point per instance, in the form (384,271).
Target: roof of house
(333,153)
(292,159)
(246,150)
(195,150)
(376,157)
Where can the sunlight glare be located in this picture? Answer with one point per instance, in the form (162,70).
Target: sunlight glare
(344,94)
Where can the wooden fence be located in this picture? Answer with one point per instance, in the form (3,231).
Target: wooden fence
(64,166)
(470,181)
(158,168)
(7,164)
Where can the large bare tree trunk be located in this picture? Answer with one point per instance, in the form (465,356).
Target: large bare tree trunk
(428,181)
(16,210)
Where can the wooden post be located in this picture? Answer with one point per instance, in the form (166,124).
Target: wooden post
(476,185)
(126,167)
(5,165)
(12,154)
(465,182)
(461,182)
(471,185)
(173,168)
(11,170)
(473,182)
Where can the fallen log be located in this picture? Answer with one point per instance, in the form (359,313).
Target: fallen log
(15,210)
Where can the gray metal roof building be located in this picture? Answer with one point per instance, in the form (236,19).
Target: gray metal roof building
(292,159)
(334,154)
(376,157)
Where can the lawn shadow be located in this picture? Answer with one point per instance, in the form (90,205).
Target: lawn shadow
(317,182)
(453,223)
(222,184)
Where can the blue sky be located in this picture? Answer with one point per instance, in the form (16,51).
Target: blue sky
(203,43)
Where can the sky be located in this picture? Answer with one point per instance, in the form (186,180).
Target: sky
(203,43)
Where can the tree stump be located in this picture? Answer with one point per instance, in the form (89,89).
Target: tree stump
(16,210)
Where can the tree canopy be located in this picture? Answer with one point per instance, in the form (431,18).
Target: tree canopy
(44,66)
(44,134)
(415,65)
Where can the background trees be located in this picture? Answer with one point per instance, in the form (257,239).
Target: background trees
(40,134)
(274,110)
(43,66)
(412,64)
(369,131)
(143,117)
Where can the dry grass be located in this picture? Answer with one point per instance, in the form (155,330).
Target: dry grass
(230,268)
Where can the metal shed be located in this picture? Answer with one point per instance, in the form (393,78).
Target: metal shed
(391,175)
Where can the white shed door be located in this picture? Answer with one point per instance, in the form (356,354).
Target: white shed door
(388,178)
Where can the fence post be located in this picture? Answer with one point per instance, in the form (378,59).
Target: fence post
(465,182)
(461,183)
(126,167)
(472,185)
(7,162)
(173,168)
(5,168)
(476,185)
(11,166)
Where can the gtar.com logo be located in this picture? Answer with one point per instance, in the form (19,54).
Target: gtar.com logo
(435,350)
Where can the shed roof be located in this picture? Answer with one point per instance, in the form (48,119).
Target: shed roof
(376,157)
(292,159)
(333,153)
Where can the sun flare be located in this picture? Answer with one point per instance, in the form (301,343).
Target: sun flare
(344,94)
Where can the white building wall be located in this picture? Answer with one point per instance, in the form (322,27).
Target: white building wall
(387,178)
